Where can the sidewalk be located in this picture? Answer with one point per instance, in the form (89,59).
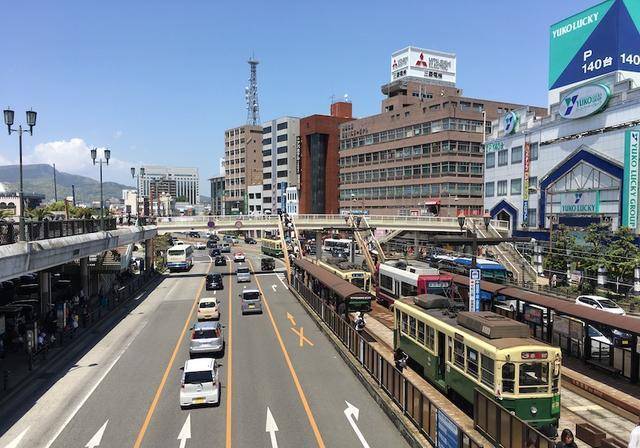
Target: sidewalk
(17,367)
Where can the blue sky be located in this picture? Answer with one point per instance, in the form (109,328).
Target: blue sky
(159,81)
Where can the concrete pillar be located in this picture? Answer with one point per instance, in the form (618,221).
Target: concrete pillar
(44,280)
(84,276)
(149,254)
(602,276)
(319,245)
(538,259)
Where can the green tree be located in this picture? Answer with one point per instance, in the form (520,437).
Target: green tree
(82,212)
(40,214)
(592,255)
(562,243)
(622,256)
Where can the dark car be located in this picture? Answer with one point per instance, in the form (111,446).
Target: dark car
(267,264)
(214,281)
(193,234)
(619,338)
(214,238)
(211,244)
(220,261)
(215,252)
(250,240)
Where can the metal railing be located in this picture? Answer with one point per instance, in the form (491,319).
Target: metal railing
(47,229)
(428,418)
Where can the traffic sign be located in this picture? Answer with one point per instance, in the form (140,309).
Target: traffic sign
(238,224)
(211,224)
(474,274)
(474,290)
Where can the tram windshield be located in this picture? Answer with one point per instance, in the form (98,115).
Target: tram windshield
(534,377)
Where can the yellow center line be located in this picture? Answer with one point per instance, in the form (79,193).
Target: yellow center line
(229,362)
(294,375)
(156,398)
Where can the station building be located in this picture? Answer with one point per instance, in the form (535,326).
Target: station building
(579,164)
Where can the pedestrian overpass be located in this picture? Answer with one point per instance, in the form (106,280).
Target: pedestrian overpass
(305,222)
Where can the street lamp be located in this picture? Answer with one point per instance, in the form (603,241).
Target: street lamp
(487,220)
(474,237)
(31,122)
(94,157)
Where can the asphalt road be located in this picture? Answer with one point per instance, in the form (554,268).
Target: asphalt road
(124,390)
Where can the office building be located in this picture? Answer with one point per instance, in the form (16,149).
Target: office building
(423,153)
(242,165)
(181,183)
(279,172)
(217,195)
(579,164)
(318,149)
(254,199)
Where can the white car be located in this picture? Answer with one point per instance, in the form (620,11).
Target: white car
(208,308)
(239,257)
(178,243)
(200,245)
(200,383)
(600,344)
(600,303)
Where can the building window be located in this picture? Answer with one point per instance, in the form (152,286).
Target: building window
(282,138)
(533,182)
(516,186)
(282,173)
(267,141)
(266,187)
(268,176)
(282,162)
(502,188)
(532,218)
(266,152)
(266,164)
(491,160)
(266,130)
(503,157)
(282,126)
(489,189)
(533,151)
(516,154)
(282,150)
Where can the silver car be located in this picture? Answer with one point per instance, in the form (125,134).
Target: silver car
(200,383)
(206,337)
(243,274)
(251,301)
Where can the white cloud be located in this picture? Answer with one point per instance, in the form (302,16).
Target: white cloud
(74,156)
(6,160)
(117,135)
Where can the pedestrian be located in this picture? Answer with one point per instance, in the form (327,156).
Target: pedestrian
(554,281)
(400,359)
(566,440)
(634,437)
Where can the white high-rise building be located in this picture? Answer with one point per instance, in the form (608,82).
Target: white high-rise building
(180,183)
(279,162)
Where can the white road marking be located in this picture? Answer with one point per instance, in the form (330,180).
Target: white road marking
(274,288)
(97,437)
(15,442)
(352,414)
(281,278)
(271,427)
(185,432)
(124,348)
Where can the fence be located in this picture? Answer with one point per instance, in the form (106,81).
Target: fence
(430,420)
(503,427)
(46,229)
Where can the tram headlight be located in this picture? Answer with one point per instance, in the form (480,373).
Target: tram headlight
(534,410)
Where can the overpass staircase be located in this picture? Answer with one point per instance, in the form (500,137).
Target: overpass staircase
(360,226)
(507,254)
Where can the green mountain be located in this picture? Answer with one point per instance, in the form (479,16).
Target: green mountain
(38,178)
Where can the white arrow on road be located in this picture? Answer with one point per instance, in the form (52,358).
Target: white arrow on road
(97,437)
(15,442)
(274,288)
(271,428)
(185,432)
(352,414)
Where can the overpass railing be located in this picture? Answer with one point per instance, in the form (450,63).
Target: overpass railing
(47,229)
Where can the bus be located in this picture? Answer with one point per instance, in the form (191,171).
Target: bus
(341,244)
(349,272)
(467,352)
(490,270)
(399,278)
(180,257)
(271,247)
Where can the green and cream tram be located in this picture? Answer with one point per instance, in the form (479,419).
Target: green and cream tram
(481,350)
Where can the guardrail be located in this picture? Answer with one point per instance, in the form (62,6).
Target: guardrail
(47,229)
(430,420)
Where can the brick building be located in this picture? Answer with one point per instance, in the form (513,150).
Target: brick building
(318,144)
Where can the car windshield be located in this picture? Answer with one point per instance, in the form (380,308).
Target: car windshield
(533,374)
(175,252)
(243,270)
(205,334)
(217,277)
(593,333)
(204,376)
(254,295)
(207,304)
(606,303)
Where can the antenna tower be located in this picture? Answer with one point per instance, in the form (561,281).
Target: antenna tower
(251,94)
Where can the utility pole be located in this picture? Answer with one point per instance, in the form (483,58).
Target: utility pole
(73,194)
(251,94)
(55,184)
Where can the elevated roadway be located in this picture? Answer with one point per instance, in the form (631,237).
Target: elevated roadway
(23,257)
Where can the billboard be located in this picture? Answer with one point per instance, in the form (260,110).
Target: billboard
(422,63)
(599,40)
(630,185)
(525,185)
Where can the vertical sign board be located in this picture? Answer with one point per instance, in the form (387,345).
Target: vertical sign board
(525,185)
(298,149)
(631,172)
(474,290)
(447,431)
